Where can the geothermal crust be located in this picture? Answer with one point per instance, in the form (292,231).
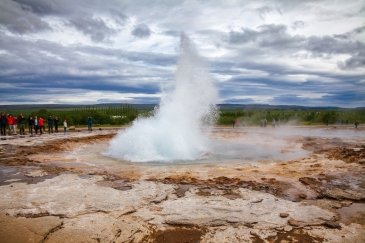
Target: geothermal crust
(50,193)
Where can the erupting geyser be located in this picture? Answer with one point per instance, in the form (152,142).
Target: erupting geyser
(175,130)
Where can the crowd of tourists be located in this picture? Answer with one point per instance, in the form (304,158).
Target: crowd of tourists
(10,124)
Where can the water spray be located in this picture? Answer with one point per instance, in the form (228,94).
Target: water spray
(175,131)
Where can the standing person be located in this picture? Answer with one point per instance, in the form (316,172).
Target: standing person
(41,125)
(50,124)
(89,123)
(10,121)
(30,125)
(21,122)
(356,124)
(64,126)
(3,123)
(55,123)
(15,124)
(273,123)
(36,125)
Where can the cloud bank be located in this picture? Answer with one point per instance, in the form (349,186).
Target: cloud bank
(274,52)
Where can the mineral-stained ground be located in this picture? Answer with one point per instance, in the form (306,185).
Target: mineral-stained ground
(60,188)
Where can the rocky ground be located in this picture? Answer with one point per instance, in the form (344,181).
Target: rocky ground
(51,192)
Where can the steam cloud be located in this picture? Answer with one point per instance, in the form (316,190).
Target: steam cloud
(175,131)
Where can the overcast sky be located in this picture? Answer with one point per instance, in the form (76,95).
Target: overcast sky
(288,52)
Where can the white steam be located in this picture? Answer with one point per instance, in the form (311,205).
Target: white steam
(175,130)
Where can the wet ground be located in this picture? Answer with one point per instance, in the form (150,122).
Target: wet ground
(289,184)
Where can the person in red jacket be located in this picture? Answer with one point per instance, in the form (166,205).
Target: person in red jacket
(41,125)
(10,121)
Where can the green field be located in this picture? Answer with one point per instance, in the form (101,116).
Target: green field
(299,117)
(123,114)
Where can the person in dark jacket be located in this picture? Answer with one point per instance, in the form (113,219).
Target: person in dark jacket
(30,125)
(21,122)
(50,124)
(3,123)
(55,123)
(356,124)
(89,123)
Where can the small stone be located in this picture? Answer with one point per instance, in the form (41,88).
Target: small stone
(294,222)
(288,228)
(284,215)
(257,201)
(302,196)
(332,224)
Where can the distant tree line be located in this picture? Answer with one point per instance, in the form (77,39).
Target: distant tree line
(302,117)
(124,114)
(101,115)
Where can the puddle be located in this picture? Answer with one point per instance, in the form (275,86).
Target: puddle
(295,235)
(177,235)
(9,175)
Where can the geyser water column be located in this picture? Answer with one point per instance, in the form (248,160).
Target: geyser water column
(175,130)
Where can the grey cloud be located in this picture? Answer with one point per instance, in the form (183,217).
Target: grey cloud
(351,34)
(92,26)
(118,15)
(276,38)
(341,94)
(339,45)
(247,66)
(45,57)
(244,36)
(67,8)
(354,61)
(19,19)
(263,11)
(278,80)
(173,33)
(141,31)
(148,58)
(359,30)
(30,56)
(331,44)
(267,36)
(83,15)
(48,64)
(289,99)
(45,7)
(297,24)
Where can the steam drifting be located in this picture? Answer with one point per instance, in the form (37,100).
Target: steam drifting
(175,130)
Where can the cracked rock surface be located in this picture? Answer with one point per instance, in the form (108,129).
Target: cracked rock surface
(66,191)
